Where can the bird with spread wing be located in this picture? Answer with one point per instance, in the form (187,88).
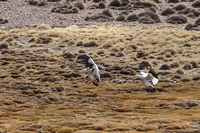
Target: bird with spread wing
(92,69)
(147,78)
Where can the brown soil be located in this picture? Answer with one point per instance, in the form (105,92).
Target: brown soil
(42,90)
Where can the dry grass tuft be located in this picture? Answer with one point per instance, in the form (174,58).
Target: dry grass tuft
(30,71)
(81,51)
(90,44)
(65,130)
(100,52)
(22,69)
(79,4)
(107,44)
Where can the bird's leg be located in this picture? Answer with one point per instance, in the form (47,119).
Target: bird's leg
(144,88)
(88,81)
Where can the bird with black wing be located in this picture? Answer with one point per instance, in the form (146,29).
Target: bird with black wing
(92,69)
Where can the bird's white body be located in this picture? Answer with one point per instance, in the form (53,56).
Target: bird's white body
(92,69)
(147,78)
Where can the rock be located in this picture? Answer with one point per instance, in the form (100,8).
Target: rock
(165,67)
(3,46)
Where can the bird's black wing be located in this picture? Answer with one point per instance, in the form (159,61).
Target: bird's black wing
(153,72)
(86,61)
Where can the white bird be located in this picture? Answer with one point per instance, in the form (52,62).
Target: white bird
(147,78)
(92,69)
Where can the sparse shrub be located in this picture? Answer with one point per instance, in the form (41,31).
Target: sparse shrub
(79,43)
(173,1)
(197,22)
(185,11)
(189,26)
(120,54)
(177,19)
(149,17)
(144,4)
(152,9)
(75,10)
(43,40)
(100,52)
(196,4)
(81,51)
(22,69)
(125,2)
(173,65)
(141,54)
(102,5)
(53,0)
(167,11)
(196,78)
(180,7)
(164,67)
(107,44)
(30,71)
(90,44)
(4,45)
(121,18)
(79,4)
(107,12)
(115,3)
(132,17)
(65,130)
(187,67)
(114,50)
(194,64)
(168,54)
(33,45)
